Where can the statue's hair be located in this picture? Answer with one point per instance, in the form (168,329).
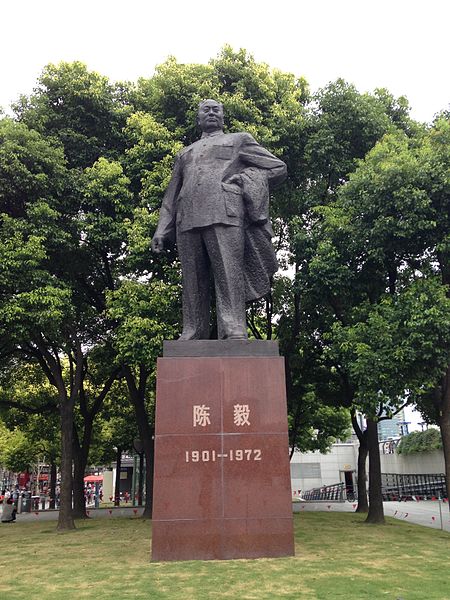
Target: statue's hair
(209,100)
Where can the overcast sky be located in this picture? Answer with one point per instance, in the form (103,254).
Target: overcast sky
(397,44)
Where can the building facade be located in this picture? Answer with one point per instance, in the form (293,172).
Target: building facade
(312,469)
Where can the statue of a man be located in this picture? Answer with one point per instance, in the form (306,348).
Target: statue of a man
(216,207)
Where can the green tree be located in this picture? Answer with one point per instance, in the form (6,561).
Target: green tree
(342,125)
(106,221)
(391,333)
(420,441)
(36,307)
(29,404)
(57,259)
(81,109)
(321,144)
(18,453)
(84,174)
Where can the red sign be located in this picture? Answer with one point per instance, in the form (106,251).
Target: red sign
(24,478)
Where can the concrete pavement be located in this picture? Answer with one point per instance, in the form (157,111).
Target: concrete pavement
(429,513)
(93,513)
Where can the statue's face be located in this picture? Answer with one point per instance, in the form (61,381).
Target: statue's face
(210,116)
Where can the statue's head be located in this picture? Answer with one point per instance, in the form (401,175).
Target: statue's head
(210,116)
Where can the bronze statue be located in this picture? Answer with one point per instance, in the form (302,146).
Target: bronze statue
(216,207)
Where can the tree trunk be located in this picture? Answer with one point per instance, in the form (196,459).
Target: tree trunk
(444,424)
(146,433)
(65,519)
(363,505)
(81,448)
(117,486)
(51,364)
(363,450)
(79,500)
(80,455)
(376,511)
(52,490)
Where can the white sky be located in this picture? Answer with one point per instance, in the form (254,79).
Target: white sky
(413,417)
(397,44)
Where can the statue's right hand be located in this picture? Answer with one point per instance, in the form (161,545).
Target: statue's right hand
(157,244)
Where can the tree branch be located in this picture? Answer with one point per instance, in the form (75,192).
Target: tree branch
(83,404)
(356,428)
(78,378)
(101,397)
(253,328)
(55,368)
(29,349)
(385,417)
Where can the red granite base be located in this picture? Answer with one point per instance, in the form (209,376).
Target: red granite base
(205,539)
(222,481)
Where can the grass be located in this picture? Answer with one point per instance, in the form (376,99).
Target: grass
(337,556)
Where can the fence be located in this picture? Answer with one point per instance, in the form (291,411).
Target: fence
(334,492)
(423,486)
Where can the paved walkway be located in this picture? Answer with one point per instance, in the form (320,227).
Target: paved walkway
(94,513)
(427,512)
(424,512)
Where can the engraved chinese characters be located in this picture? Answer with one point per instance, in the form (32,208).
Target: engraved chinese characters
(201,415)
(241,415)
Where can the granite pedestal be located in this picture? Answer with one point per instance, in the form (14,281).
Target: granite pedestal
(222,480)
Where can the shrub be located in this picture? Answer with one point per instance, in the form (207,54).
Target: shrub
(420,441)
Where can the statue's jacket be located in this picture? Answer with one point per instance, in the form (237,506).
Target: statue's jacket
(203,192)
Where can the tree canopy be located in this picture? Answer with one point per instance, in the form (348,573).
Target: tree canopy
(420,441)
(360,308)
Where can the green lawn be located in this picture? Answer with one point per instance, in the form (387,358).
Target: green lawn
(337,556)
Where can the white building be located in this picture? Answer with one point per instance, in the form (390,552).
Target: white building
(312,469)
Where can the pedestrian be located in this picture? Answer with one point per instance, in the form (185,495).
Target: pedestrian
(9,511)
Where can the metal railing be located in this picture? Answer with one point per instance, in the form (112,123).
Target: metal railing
(335,492)
(422,486)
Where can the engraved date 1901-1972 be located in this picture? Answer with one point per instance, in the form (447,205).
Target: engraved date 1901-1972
(212,455)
